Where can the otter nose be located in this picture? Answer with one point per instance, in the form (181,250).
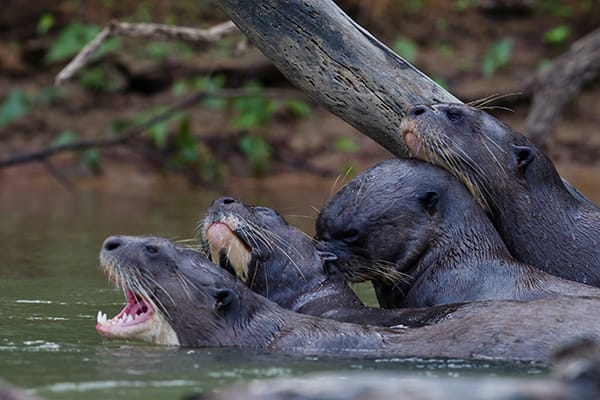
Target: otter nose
(417,110)
(112,243)
(224,201)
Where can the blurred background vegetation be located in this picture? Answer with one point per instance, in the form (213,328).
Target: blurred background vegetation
(473,48)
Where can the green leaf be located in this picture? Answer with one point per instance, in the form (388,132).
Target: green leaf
(180,87)
(497,56)
(406,48)
(45,23)
(258,152)
(345,144)
(70,40)
(63,138)
(252,111)
(557,35)
(299,108)
(95,78)
(14,106)
(91,159)
(157,50)
(159,134)
(184,139)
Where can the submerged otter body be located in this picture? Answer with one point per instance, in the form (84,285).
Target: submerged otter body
(542,221)
(205,306)
(416,218)
(279,262)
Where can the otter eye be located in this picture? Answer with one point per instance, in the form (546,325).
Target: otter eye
(151,249)
(349,235)
(453,115)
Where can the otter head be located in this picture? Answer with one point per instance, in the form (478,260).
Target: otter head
(488,156)
(382,222)
(260,247)
(174,296)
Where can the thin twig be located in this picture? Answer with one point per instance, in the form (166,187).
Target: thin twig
(146,30)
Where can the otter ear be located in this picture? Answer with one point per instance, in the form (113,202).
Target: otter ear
(223,297)
(524,156)
(429,201)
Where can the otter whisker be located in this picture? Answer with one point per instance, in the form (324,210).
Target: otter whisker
(494,97)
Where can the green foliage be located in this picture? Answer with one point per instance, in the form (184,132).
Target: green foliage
(345,145)
(97,79)
(497,56)
(258,152)
(555,7)
(557,35)
(186,151)
(14,106)
(253,111)
(159,132)
(89,157)
(45,23)
(463,5)
(415,5)
(299,108)
(64,138)
(406,48)
(206,84)
(190,153)
(157,50)
(73,37)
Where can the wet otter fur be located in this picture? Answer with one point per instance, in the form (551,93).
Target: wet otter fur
(542,221)
(417,219)
(205,306)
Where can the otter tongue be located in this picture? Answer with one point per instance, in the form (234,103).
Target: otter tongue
(135,308)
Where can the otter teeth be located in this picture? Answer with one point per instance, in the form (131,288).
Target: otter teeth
(101,318)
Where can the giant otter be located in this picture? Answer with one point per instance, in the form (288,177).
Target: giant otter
(280,262)
(177,297)
(417,218)
(542,221)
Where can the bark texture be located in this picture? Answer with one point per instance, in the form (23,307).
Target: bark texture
(337,63)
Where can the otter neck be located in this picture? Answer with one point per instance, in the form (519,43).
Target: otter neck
(541,195)
(282,280)
(458,241)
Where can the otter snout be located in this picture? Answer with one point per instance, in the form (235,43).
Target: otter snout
(112,243)
(418,110)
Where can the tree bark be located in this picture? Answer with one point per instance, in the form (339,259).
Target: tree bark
(337,63)
(558,84)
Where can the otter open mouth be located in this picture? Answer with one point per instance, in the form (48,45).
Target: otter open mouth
(136,312)
(226,247)
(138,320)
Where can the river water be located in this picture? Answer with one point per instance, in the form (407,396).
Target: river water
(51,290)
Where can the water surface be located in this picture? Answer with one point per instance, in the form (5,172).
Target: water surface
(51,290)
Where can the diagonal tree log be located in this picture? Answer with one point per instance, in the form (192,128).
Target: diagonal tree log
(337,63)
(340,65)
